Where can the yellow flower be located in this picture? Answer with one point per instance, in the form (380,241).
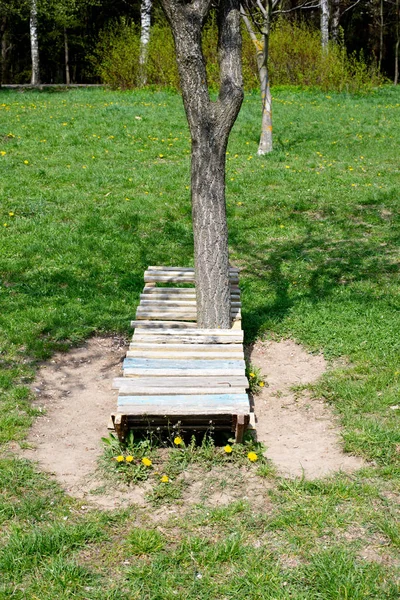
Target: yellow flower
(228,449)
(147,462)
(3,152)
(251,374)
(11,214)
(26,162)
(161,155)
(178,441)
(164,479)
(261,384)
(129,458)
(252,456)
(119,458)
(5,224)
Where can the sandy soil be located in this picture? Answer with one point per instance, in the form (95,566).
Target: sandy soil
(301,434)
(74,391)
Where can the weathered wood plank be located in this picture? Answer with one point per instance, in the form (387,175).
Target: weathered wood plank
(178,277)
(222,349)
(198,334)
(185,339)
(167,302)
(144,390)
(181,364)
(212,381)
(164,324)
(189,404)
(179,355)
(182,269)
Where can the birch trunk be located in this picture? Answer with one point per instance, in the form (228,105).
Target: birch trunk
(145,23)
(381,25)
(265,145)
(397,44)
(33,26)
(3,26)
(66,54)
(324,6)
(335,20)
(210,124)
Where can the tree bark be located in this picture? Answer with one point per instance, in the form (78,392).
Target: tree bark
(381,26)
(324,6)
(265,145)
(397,44)
(3,26)
(335,20)
(33,25)
(210,124)
(145,23)
(66,54)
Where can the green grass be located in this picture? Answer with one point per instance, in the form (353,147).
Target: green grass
(315,229)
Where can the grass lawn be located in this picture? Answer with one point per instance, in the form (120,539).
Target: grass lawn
(94,187)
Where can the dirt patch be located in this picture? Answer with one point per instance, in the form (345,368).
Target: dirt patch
(301,434)
(74,391)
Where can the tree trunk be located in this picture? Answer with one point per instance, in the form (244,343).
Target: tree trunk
(265,145)
(145,23)
(381,25)
(33,25)
(324,6)
(397,44)
(210,124)
(335,20)
(3,26)
(66,54)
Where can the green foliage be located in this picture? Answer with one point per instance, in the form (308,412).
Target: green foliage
(296,58)
(256,380)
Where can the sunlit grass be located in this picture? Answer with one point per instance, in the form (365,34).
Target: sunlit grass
(94,187)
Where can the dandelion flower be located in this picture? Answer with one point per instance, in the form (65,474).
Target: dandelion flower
(251,374)
(3,152)
(11,214)
(26,162)
(178,441)
(164,479)
(261,384)
(252,456)
(119,458)
(129,458)
(161,155)
(147,462)
(5,224)
(228,449)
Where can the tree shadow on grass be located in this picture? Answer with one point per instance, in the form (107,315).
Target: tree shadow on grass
(278,275)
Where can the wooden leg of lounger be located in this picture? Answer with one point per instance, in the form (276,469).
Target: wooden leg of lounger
(240,427)
(121,426)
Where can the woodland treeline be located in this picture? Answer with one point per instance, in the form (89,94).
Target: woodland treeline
(95,41)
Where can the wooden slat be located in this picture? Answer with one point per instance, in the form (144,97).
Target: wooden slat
(186,404)
(167,302)
(139,325)
(171,314)
(216,334)
(183,269)
(126,390)
(160,367)
(177,277)
(186,355)
(213,381)
(179,291)
(222,349)
(185,339)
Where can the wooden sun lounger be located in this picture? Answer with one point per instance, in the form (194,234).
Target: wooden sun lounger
(175,374)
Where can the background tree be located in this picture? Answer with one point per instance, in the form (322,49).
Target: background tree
(210,123)
(145,23)
(262,25)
